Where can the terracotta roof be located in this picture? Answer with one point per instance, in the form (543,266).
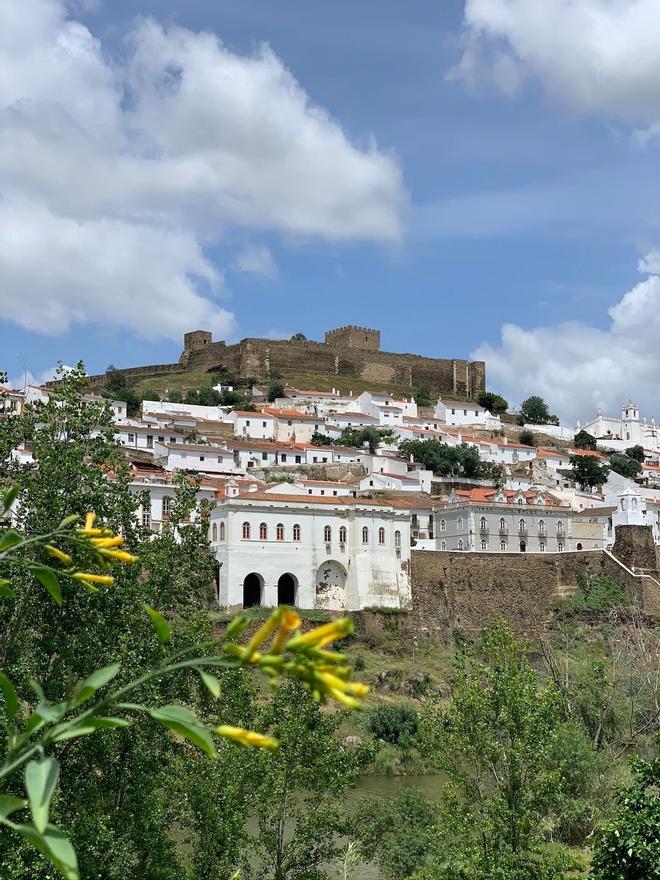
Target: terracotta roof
(292,414)
(191,447)
(311,500)
(486,495)
(249,412)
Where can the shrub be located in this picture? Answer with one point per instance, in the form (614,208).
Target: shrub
(526,437)
(596,594)
(393,724)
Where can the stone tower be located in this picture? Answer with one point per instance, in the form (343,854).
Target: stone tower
(350,336)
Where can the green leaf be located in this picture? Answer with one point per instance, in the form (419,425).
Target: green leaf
(94,682)
(48,579)
(9,804)
(5,590)
(40,782)
(68,520)
(183,721)
(162,627)
(9,496)
(55,846)
(9,693)
(9,538)
(211,682)
(89,725)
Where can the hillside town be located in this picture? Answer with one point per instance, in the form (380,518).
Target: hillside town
(317,498)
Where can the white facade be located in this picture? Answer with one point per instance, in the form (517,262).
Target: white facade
(255,425)
(461,412)
(161,494)
(203,458)
(626,431)
(332,553)
(213,413)
(136,436)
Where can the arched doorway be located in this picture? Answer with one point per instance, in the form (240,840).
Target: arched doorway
(252,590)
(523,547)
(331,585)
(578,547)
(286,590)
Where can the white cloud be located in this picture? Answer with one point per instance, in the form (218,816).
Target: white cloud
(117,174)
(593,55)
(30,378)
(256,259)
(578,368)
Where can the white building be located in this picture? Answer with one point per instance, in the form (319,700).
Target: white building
(255,425)
(206,458)
(461,412)
(137,436)
(626,431)
(337,553)
(161,491)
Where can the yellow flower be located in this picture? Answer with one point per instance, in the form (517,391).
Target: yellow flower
(289,623)
(247,737)
(90,519)
(267,627)
(322,635)
(107,542)
(59,554)
(341,697)
(93,578)
(121,555)
(346,687)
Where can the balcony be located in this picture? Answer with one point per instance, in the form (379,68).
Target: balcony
(561,534)
(522,531)
(504,532)
(483,529)
(543,532)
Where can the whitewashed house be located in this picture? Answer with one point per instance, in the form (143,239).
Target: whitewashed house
(204,458)
(462,412)
(254,425)
(336,553)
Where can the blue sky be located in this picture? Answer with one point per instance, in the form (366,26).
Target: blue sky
(521,198)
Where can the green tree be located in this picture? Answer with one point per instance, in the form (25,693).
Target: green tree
(444,460)
(393,724)
(319,439)
(424,397)
(298,337)
(585,440)
(115,380)
(494,740)
(297,800)
(629,846)
(526,437)
(587,471)
(275,390)
(534,411)
(150,394)
(175,396)
(636,452)
(624,465)
(494,403)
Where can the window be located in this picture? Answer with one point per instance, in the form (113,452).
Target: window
(264,456)
(503,545)
(521,526)
(247,422)
(246,531)
(283,456)
(443,525)
(279,531)
(334,492)
(201,458)
(146,517)
(397,539)
(298,459)
(560,548)
(222,531)
(560,527)
(327,534)
(342,535)
(131,438)
(459,524)
(453,412)
(150,441)
(482,524)
(365,535)
(484,545)
(541,527)
(166,506)
(460,543)
(464,412)
(172,439)
(161,439)
(214,533)
(263,532)
(263,424)
(296,532)
(578,546)
(541,547)
(381,535)
(502,524)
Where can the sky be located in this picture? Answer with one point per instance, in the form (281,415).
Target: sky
(475,179)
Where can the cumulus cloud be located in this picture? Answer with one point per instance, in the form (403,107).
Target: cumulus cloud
(118,174)
(256,259)
(578,368)
(593,55)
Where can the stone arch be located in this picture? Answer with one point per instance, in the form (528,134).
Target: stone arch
(253,587)
(287,589)
(331,584)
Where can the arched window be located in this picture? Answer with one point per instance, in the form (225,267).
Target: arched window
(502,524)
(459,524)
(342,534)
(541,527)
(578,546)
(484,545)
(443,525)
(482,523)
(443,545)
(560,548)
(279,531)
(222,531)
(327,534)
(167,506)
(381,535)
(397,538)
(365,535)
(560,526)
(541,547)
(521,526)
(296,532)
(460,543)
(146,517)
(214,533)
(246,531)
(503,545)
(263,532)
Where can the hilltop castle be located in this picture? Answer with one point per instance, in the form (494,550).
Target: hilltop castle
(347,351)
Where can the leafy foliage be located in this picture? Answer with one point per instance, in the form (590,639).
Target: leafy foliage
(636,452)
(587,471)
(275,390)
(494,403)
(596,594)
(585,440)
(526,437)
(624,465)
(424,397)
(629,846)
(534,411)
(445,460)
(393,724)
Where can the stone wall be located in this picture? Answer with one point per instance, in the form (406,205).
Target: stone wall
(467,589)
